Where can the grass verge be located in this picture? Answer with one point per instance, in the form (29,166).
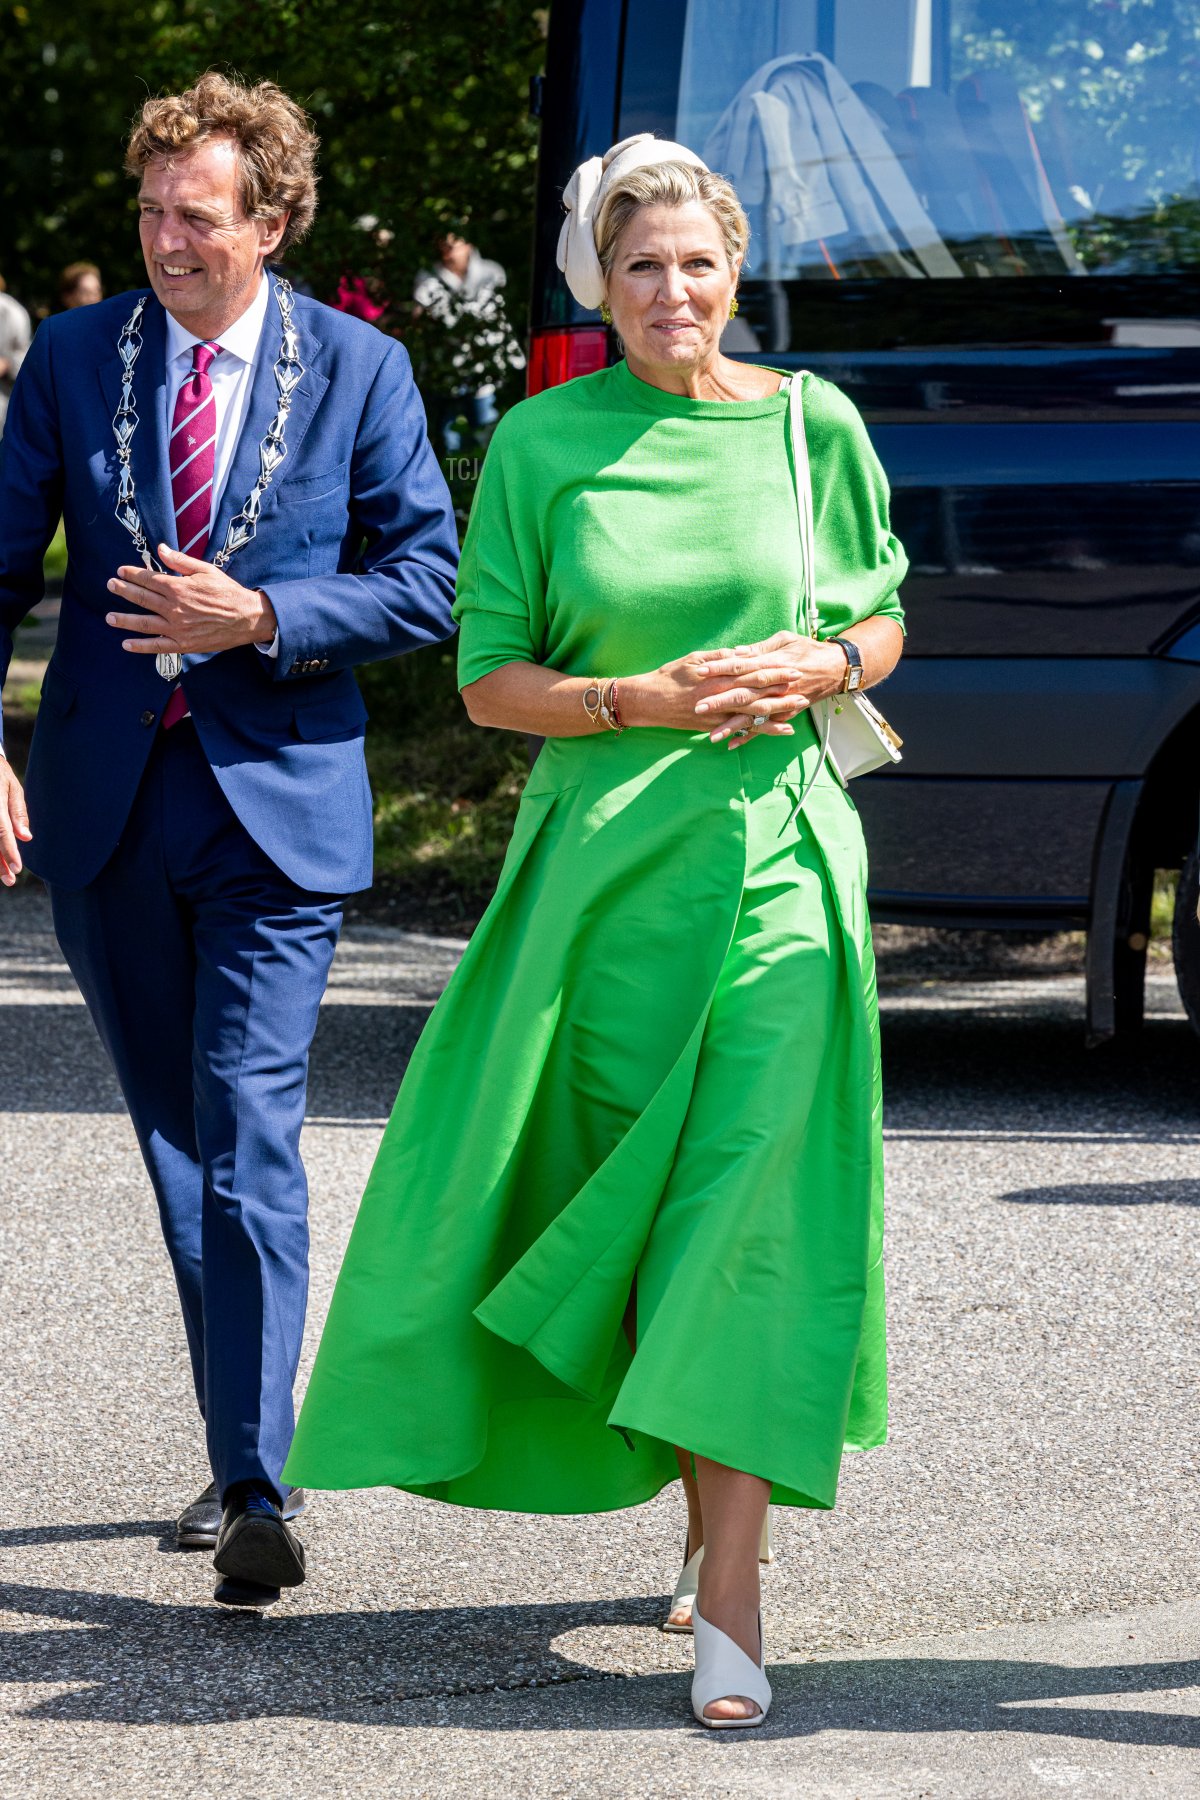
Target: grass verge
(446,794)
(55,563)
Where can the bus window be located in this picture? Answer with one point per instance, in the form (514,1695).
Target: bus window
(947,139)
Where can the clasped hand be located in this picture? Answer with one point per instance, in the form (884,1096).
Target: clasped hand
(726,690)
(195,610)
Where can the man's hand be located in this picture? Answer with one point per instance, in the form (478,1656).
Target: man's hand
(192,612)
(14,824)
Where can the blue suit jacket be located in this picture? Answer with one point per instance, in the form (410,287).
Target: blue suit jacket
(356,548)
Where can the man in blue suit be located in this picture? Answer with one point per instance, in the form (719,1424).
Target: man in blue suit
(197,796)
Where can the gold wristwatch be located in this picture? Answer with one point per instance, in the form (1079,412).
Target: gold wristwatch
(853,678)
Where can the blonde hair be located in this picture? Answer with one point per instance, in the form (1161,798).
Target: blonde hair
(276,145)
(670,184)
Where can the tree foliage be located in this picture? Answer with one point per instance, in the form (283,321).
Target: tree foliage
(421,106)
(1111,87)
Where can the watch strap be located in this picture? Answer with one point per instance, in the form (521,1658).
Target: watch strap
(853,677)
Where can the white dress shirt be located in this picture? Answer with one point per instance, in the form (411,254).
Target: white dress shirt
(232,376)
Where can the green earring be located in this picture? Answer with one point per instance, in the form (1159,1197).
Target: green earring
(606,312)
(733,307)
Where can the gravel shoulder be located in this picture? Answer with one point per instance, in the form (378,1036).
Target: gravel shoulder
(1005,1601)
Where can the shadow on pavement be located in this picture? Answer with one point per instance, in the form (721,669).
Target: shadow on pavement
(140,1663)
(28,1537)
(358,1057)
(144,1663)
(951,1068)
(1111,1193)
(943,1067)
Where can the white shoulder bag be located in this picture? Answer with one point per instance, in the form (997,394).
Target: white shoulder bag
(854,735)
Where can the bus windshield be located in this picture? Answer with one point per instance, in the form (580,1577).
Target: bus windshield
(951,139)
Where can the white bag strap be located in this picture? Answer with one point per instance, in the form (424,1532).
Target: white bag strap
(804,501)
(822,713)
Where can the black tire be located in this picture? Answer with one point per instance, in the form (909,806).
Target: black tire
(1185,939)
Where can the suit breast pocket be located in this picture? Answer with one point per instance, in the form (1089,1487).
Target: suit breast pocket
(308,490)
(314,514)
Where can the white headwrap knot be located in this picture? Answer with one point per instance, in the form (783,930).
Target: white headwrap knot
(586,193)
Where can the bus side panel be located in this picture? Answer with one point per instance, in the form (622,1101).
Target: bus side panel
(1002,852)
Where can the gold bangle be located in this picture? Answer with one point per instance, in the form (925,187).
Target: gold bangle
(593,700)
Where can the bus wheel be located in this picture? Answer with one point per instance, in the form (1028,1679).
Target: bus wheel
(1185,939)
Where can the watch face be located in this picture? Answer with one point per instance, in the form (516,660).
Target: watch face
(856,676)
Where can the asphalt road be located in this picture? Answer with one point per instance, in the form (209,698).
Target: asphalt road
(1004,1603)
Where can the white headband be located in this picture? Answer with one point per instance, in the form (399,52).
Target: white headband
(586,193)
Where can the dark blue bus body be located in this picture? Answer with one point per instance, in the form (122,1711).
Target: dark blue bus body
(1033,399)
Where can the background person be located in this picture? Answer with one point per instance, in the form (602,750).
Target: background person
(15,331)
(650,1095)
(198,824)
(462,291)
(80,285)
(364,296)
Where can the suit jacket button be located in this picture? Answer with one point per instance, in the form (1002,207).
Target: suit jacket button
(148,718)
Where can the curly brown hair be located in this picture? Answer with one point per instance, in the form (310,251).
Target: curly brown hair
(276,145)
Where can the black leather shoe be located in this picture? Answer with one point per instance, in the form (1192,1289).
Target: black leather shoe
(199,1525)
(231,1592)
(255,1546)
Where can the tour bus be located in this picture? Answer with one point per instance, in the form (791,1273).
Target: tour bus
(981,218)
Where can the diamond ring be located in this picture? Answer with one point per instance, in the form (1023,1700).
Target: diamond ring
(760,718)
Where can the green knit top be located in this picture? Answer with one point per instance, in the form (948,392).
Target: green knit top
(616,527)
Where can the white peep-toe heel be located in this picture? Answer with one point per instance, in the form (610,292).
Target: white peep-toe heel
(689,1576)
(725,1672)
(685,1590)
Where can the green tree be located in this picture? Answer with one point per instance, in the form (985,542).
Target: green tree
(1110,89)
(421,107)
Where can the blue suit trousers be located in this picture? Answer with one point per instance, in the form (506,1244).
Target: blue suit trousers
(203,968)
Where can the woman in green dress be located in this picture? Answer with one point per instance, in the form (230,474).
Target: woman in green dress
(626,1219)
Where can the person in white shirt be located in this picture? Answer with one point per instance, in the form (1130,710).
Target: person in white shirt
(463,292)
(15,333)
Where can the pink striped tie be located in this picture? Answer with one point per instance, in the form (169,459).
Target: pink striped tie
(193,457)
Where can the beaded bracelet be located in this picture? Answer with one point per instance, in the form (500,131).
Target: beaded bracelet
(601,705)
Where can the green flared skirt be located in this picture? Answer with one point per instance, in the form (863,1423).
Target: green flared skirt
(655,1072)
